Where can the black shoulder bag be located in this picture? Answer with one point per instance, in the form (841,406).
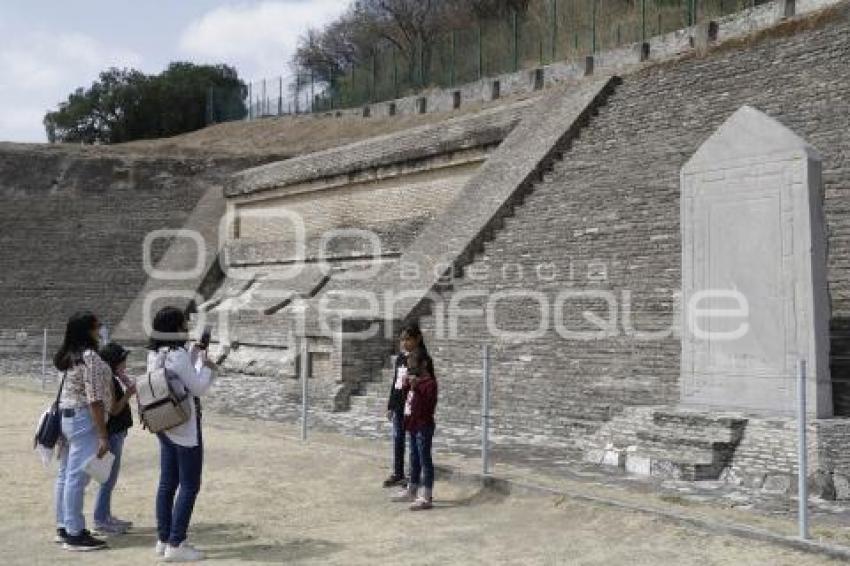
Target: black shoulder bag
(50,425)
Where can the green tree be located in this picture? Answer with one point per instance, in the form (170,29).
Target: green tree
(125,105)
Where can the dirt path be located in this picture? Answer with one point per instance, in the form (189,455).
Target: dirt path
(268,499)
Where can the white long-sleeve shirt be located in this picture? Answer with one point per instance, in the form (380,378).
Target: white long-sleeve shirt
(196,378)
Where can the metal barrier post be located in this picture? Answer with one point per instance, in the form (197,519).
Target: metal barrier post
(395,73)
(480,53)
(332,87)
(372,86)
(44,359)
(304,368)
(802,485)
(593,29)
(554,30)
(485,411)
(297,88)
(515,25)
(312,92)
(452,74)
(210,104)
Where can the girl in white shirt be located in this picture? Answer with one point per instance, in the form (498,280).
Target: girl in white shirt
(181,447)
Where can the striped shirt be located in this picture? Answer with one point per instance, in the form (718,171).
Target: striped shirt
(88,382)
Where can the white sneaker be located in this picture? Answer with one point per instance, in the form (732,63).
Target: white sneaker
(421,504)
(160,548)
(423,501)
(405,495)
(182,553)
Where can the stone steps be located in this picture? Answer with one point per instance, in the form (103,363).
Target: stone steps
(667,442)
(370,389)
(367,404)
(675,464)
(370,395)
(542,171)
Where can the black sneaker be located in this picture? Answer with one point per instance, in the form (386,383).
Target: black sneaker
(61,535)
(394,480)
(83,542)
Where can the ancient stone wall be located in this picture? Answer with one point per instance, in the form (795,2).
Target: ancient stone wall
(607,219)
(401,200)
(72,228)
(391,187)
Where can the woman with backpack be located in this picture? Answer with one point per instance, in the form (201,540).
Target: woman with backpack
(84,402)
(181,447)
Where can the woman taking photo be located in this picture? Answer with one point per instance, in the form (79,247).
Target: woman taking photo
(181,448)
(85,402)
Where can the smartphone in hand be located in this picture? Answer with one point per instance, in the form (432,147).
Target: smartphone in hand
(204,342)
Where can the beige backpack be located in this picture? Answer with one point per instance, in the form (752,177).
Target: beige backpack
(164,402)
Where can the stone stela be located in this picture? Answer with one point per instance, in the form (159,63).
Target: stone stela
(753,228)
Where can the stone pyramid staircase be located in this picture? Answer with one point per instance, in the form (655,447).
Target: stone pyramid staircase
(449,243)
(370,397)
(669,442)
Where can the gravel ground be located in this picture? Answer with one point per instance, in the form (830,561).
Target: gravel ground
(269,499)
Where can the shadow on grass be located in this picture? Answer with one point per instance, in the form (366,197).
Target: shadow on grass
(202,534)
(296,549)
(483,496)
(233,541)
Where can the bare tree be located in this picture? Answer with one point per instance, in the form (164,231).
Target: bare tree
(411,27)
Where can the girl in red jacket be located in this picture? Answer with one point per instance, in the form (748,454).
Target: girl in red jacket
(420,405)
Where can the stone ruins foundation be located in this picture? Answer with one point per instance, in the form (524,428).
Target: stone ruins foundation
(573,222)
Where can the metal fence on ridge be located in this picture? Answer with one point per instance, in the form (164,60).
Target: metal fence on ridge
(550,31)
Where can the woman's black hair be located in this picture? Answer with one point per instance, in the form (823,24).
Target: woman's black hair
(78,339)
(169,329)
(412,330)
(113,354)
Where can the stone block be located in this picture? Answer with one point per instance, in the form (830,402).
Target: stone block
(588,65)
(841,484)
(731,476)
(820,485)
(789,8)
(638,464)
(593,455)
(614,457)
(665,469)
(754,269)
(778,483)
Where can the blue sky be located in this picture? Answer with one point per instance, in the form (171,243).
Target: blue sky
(48,48)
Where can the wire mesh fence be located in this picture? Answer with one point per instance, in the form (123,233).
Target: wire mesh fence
(549,31)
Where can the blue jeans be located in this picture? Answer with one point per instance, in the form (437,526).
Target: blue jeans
(421,465)
(398,443)
(103,504)
(179,467)
(59,489)
(80,438)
